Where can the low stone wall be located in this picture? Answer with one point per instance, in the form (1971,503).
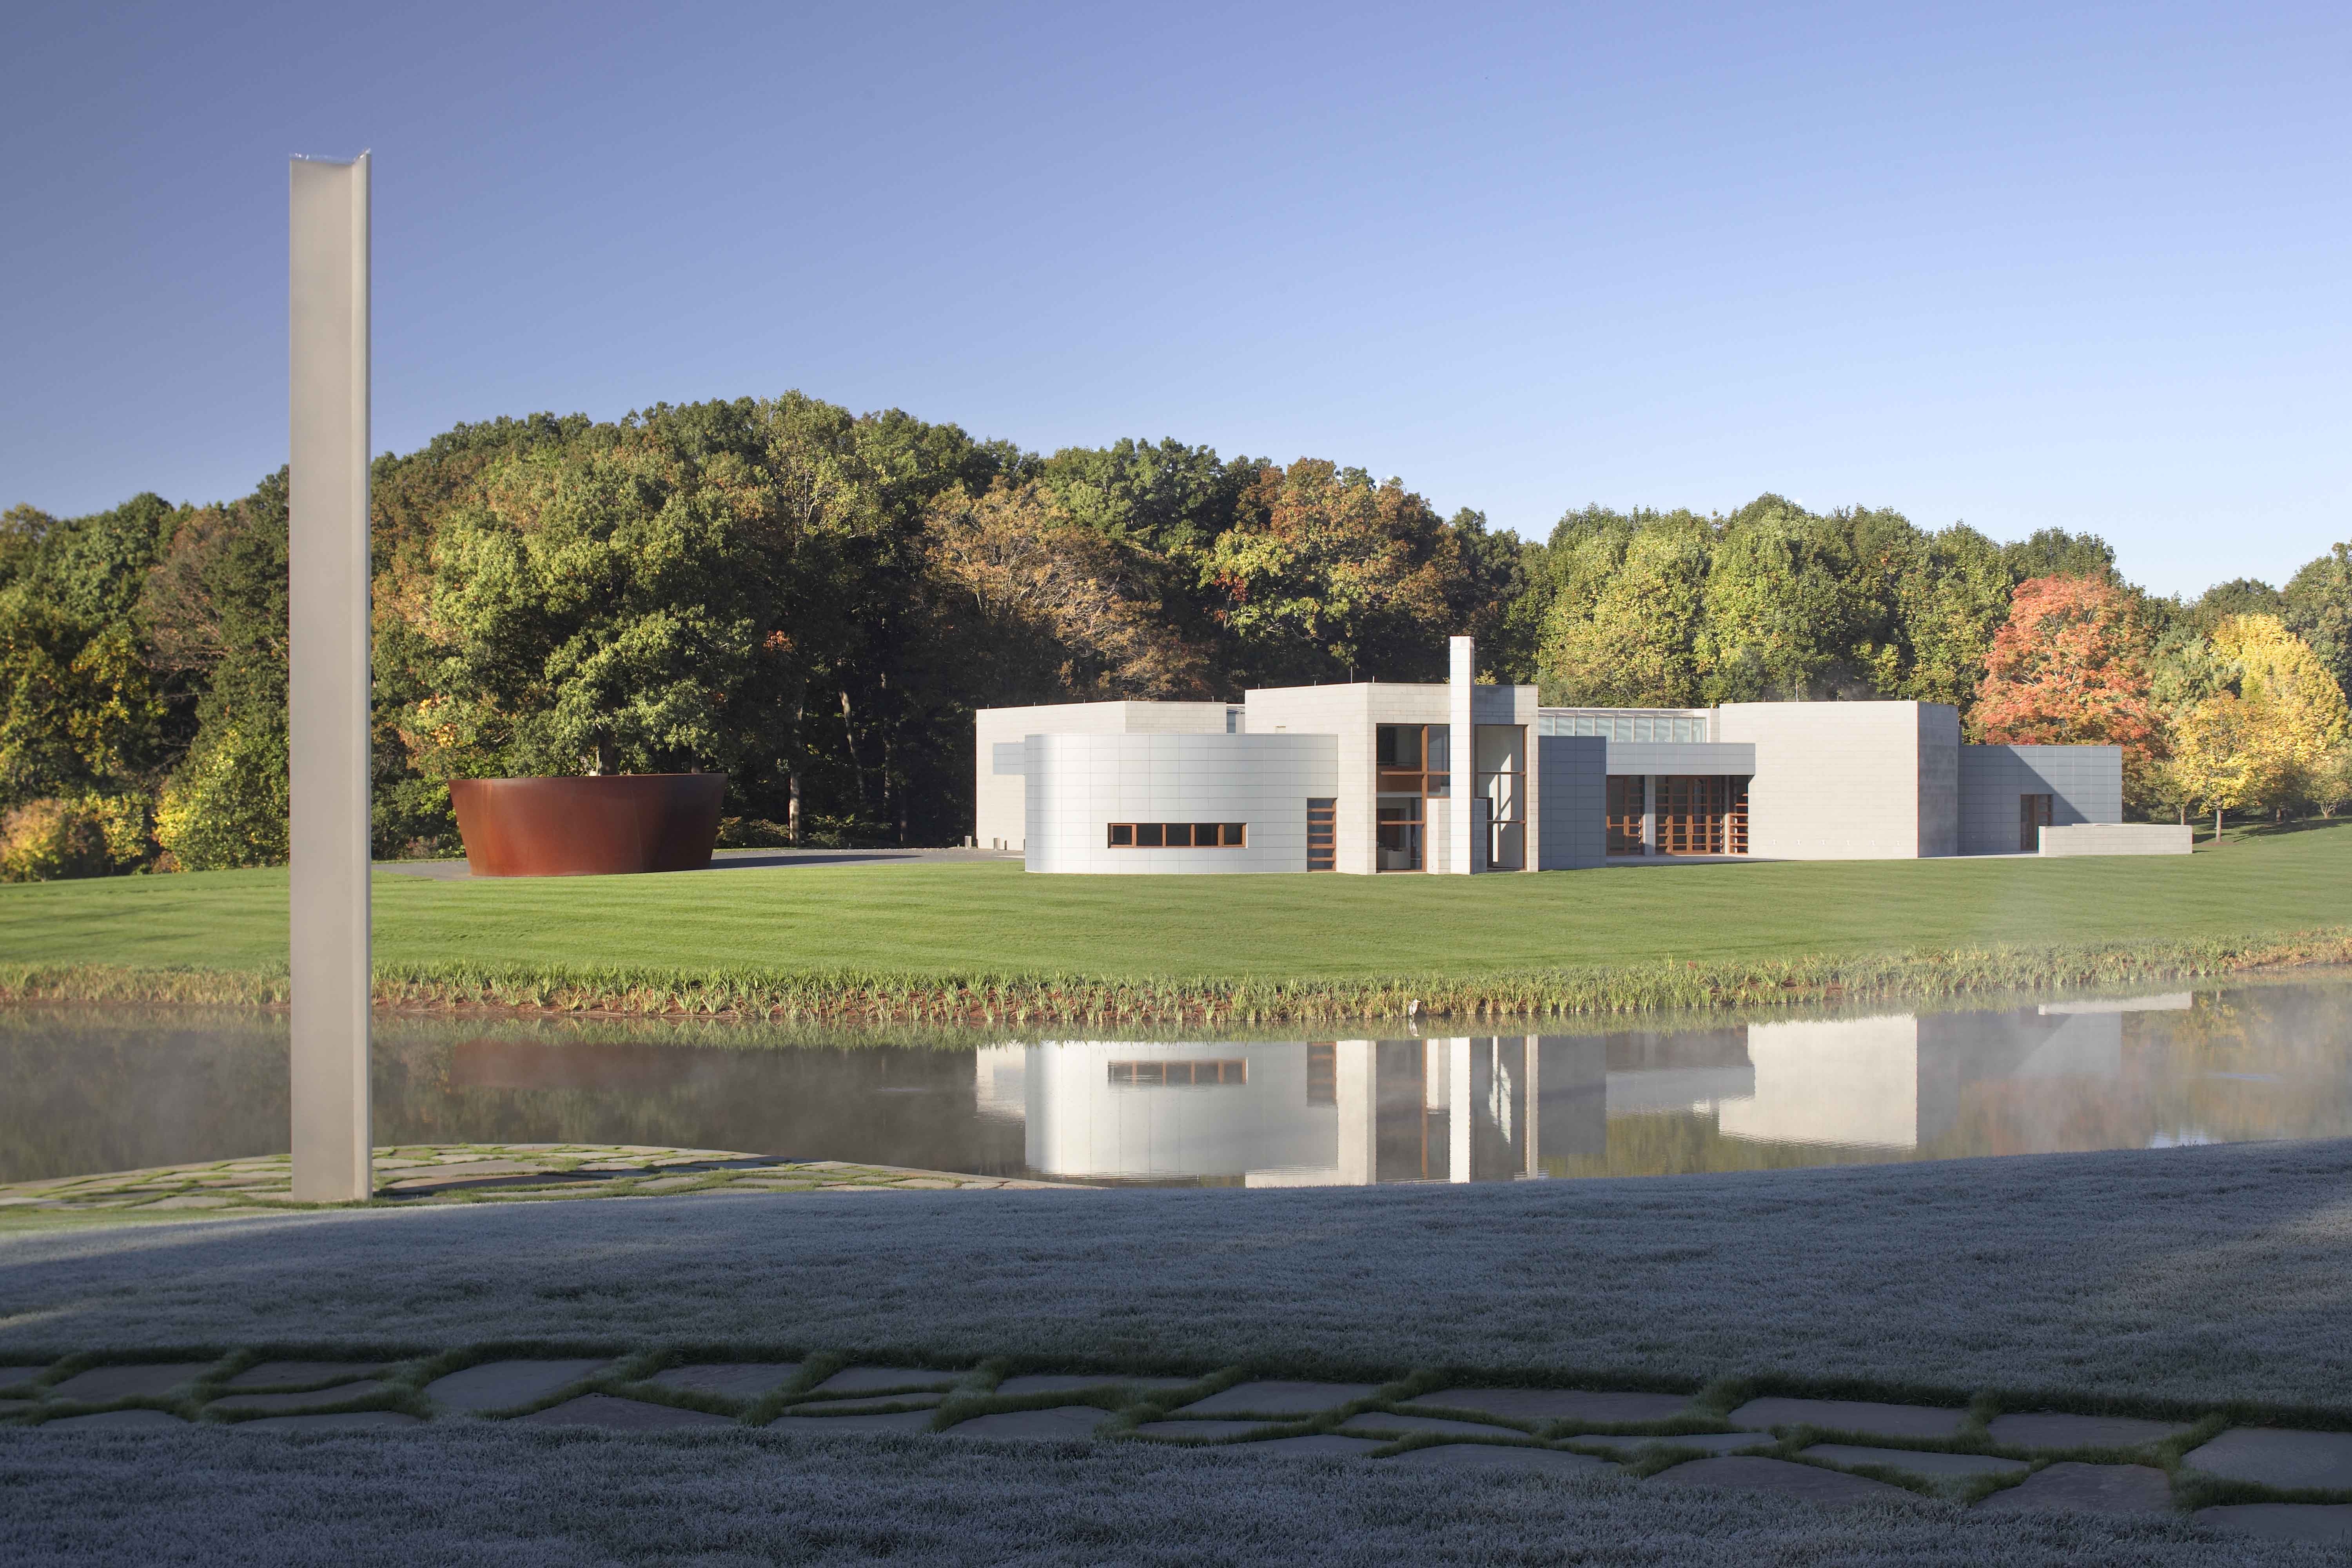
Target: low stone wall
(2116,838)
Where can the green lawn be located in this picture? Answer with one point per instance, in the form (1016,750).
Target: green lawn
(922,919)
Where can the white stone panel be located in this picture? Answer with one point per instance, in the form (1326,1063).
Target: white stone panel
(1848,780)
(1079,785)
(2116,838)
(999,790)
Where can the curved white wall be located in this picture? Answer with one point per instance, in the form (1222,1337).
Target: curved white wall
(1078,784)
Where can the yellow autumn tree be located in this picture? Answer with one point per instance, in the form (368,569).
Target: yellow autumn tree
(2294,710)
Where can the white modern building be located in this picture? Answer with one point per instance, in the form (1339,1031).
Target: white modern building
(1371,777)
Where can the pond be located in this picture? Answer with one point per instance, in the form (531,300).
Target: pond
(85,1089)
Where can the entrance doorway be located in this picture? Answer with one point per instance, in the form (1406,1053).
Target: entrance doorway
(2033,815)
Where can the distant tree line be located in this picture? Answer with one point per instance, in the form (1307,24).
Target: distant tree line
(813,602)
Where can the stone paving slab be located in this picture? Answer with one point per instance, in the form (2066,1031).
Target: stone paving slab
(1850,1415)
(1198,1431)
(304,1374)
(1071,1383)
(1377,1421)
(1913,1461)
(2329,1521)
(344,1393)
(615,1415)
(1558,1405)
(332,1421)
(499,1385)
(900,1421)
(2076,1488)
(132,1419)
(476,1173)
(862,1406)
(1272,1396)
(1494,1457)
(1809,1482)
(1706,1442)
(100,1384)
(729,1380)
(1065,1421)
(10,1377)
(2049,1429)
(2274,1456)
(1321,1445)
(883,1379)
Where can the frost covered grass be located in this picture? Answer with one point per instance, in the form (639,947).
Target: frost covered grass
(2163,1283)
(481,1495)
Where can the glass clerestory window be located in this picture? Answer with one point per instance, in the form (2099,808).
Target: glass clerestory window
(1179,835)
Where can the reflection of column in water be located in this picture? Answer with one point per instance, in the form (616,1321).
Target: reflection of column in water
(1460,1102)
(1357,1090)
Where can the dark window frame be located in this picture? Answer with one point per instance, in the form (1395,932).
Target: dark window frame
(1155,835)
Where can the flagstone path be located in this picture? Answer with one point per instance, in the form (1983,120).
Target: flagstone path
(2266,1480)
(472,1173)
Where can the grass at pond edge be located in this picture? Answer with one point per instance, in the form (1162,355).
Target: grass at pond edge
(846,997)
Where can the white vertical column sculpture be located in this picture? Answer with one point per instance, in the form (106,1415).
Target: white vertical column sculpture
(1461,742)
(1357,1088)
(327,558)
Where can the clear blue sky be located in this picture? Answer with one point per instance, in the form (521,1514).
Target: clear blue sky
(2021,264)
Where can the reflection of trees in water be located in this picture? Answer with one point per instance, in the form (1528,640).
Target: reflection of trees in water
(1680,1143)
(81,1092)
(2211,1066)
(892,1105)
(85,1091)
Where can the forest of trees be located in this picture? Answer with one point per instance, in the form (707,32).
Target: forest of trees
(815,602)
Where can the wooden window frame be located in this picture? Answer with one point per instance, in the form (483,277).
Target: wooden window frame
(1323,834)
(1421,780)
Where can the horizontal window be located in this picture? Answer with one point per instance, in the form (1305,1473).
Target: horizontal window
(1179,836)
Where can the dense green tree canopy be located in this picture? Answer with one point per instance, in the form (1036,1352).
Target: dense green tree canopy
(815,600)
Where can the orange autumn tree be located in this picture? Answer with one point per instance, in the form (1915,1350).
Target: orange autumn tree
(2070,667)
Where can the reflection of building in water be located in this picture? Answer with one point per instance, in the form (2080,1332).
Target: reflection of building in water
(1335,1112)
(1492,1108)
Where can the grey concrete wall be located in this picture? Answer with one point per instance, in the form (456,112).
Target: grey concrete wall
(2087,782)
(1078,784)
(999,789)
(1572,784)
(1940,779)
(1836,781)
(2116,838)
(1686,758)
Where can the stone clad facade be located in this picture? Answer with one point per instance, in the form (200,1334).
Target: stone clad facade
(1460,777)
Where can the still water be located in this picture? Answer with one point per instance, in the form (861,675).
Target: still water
(85,1091)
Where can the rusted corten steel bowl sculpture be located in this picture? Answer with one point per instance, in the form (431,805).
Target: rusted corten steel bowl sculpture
(588,827)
